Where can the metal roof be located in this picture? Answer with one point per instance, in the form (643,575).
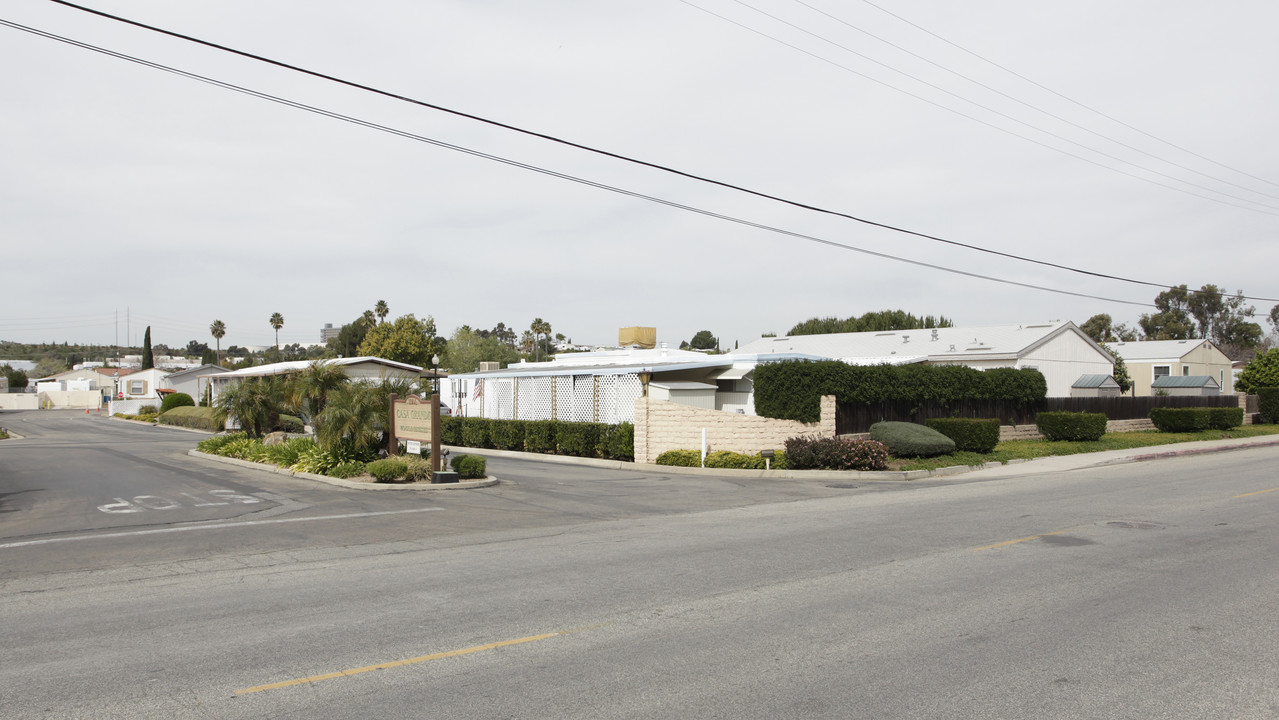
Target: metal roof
(1185,381)
(683,385)
(1095,381)
(1148,350)
(292,366)
(904,346)
(551,369)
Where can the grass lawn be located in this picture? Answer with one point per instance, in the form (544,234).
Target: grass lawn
(1014,449)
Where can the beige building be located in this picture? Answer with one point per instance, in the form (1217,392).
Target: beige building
(1153,359)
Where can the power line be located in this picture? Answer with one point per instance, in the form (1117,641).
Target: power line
(1045,88)
(617,156)
(552,173)
(1269,210)
(1013,98)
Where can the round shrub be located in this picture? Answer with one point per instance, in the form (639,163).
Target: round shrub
(979,435)
(1076,427)
(173,400)
(469,467)
(910,440)
(417,468)
(680,458)
(387,470)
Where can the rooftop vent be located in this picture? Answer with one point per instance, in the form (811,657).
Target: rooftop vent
(934,335)
(905,339)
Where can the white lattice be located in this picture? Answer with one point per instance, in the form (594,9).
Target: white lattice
(629,389)
(498,398)
(583,400)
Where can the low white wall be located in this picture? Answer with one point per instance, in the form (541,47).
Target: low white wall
(19,401)
(73,399)
(131,407)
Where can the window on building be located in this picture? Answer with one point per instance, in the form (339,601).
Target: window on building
(137,387)
(1185,370)
(1162,371)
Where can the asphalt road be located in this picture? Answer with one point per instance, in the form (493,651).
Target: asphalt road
(1132,591)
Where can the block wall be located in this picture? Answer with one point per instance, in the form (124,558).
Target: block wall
(661,425)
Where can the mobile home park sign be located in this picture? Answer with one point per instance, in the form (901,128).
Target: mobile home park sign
(413,419)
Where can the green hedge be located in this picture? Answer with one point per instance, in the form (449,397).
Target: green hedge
(721,459)
(1071,426)
(970,434)
(387,470)
(190,417)
(680,458)
(1194,419)
(792,390)
(1268,405)
(614,442)
(905,439)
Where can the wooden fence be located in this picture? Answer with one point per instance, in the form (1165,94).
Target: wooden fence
(857,418)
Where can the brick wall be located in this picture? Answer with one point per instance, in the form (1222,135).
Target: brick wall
(661,425)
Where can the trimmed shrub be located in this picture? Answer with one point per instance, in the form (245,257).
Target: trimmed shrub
(469,467)
(579,439)
(246,448)
(905,439)
(321,461)
(539,436)
(451,430)
(347,470)
(475,432)
(1194,419)
(792,390)
(148,410)
(729,459)
(1077,427)
(507,434)
(1268,405)
(174,400)
(680,458)
(190,417)
(617,442)
(387,470)
(970,434)
(828,453)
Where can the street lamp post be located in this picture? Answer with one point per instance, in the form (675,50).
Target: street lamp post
(435,372)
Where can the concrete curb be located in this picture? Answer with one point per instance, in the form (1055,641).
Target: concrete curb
(1185,452)
(339,482)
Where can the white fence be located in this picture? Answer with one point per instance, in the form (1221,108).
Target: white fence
(575,398)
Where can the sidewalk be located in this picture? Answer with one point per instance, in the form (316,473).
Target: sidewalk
(1065,463)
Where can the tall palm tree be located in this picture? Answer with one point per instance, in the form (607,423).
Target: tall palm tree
(368,319)
(218,330)
(540,329)
(277,322)
(381,310)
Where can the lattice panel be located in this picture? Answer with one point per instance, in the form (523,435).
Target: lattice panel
(583,402)
(499,398)
(629,389)
(535,398)
(563,397)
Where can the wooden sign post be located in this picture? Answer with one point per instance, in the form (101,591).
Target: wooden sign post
(412,419)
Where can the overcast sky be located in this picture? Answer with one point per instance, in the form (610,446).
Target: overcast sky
(1143,148)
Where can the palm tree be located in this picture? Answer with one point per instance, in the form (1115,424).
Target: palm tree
(256,403)
(351,414)
(218,329)
(367,317)
(310,388)
(540,328)
(277,322)
(381,310)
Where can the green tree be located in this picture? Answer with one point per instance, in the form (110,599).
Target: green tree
(277,322)
(466,349)
(381,310)
(1120,373)
(703,340)
(1263,371)
(540,328)
(1099,328)
(1273,319)
(148,359)
(18,379)
(880,321)
(48,365)
(218,331)
(349,337)
(1205,306)
(406,340)
(350,415)
(1173,321)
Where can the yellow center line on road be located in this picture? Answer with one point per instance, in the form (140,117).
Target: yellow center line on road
(1259,492)
(395,663)
(1019,540)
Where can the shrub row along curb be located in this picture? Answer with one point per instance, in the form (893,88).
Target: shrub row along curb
(264,467)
